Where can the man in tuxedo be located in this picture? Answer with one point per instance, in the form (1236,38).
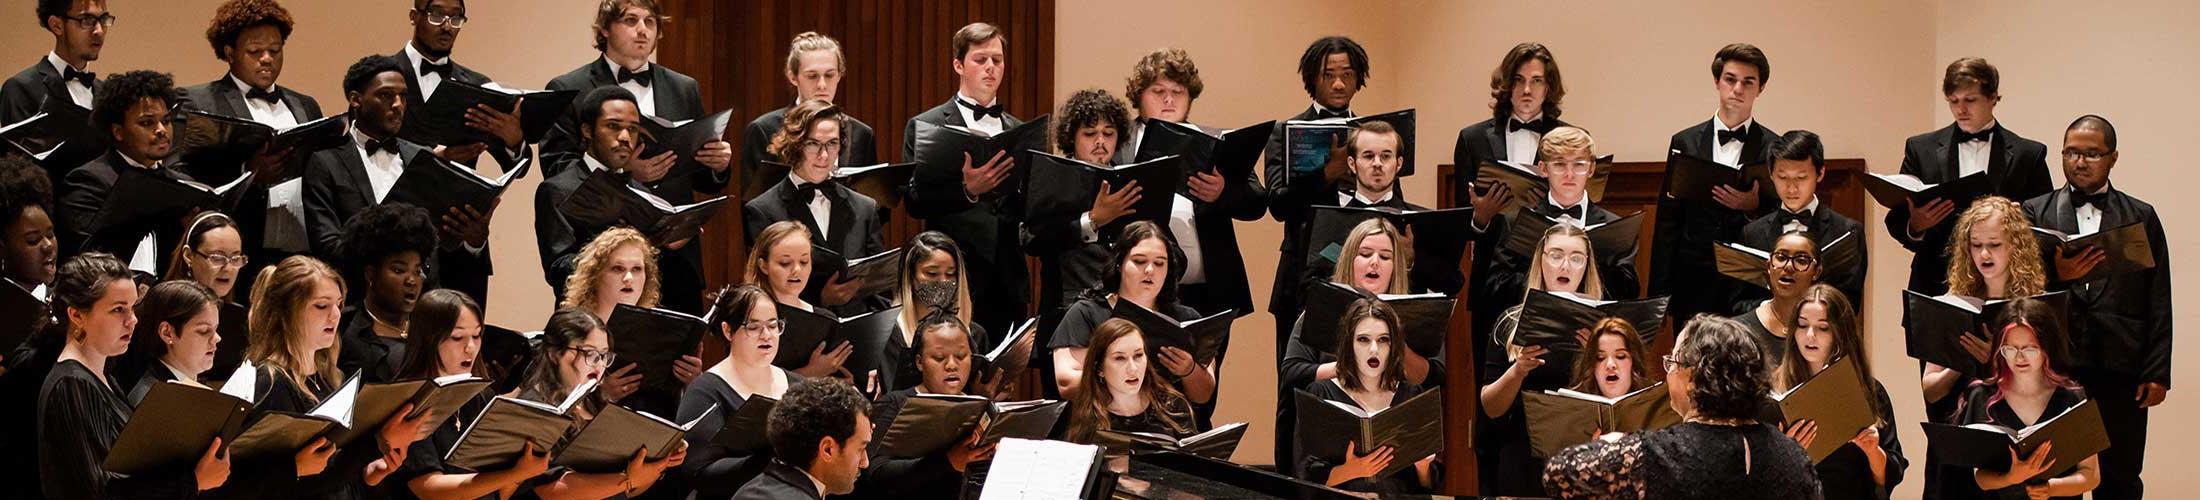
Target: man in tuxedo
(340,182)
(612,136)
(1681,263)
(1976,143)
(1798,165)
(814,68)
(249,35)
(1073,248)
(79,30)
(981,212)
(839,218)
(820,431)
(1526,90)
(426,63)
(627,34)
(2119,324)
(1568,161)
(133,108)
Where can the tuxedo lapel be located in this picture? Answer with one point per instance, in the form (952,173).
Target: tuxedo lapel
(355,171)
(1495,136)
(954,113)
(412,79)
(1945,156)
(843,214)
(2004,155)
(228,99)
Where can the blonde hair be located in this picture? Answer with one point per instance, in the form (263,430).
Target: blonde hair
(2027,275)
(580,287)
(1562,140)
(753,272)
(1401,250)
(280,292)
(811,41)
(1592,286)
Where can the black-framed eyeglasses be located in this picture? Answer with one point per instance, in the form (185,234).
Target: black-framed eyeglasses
(1797,261)
(440,19)
(593,355)
(88,20)
(2087,156)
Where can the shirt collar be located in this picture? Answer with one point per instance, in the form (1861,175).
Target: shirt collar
(1581,208)
(2105,188)
(180,376)
(814,482)
(614,65)
(1355,195)
(133,163)
(59,65)
(417,57)
(241,85)
(359,138)
(959,97)
(1319,108)
(1808,208)
(797,181)
(593,165)
(1717,125)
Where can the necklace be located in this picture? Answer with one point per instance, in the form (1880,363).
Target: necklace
(395,327)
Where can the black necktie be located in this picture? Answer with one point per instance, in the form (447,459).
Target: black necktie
(380,145)
(642,77)
(1983,135)
(980,112)
(1540,126)
(267,96)
(440,69)
(83,77)
(1725,136)
(1578,213)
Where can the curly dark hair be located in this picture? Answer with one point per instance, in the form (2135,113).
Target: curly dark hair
(381,231)
(52,8)
(1090,108)
(118,93)
(1171,63)
(1730,380)
(810,411)
(22,185)
(1310,63)
(235,16)
(364,70)
(795,128)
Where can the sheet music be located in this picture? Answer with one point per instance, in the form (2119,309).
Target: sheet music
(1031,469)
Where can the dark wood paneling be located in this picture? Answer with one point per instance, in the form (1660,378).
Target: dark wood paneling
(898,65)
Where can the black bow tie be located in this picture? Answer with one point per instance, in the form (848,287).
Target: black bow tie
(2080,199)
(440,69)
(1579,212)
(806,192)
(382,145)
(1782,218)
(643,77)
(268,96)
(981,112)
(1725,136)
(1540,126)
(1323,112)
(83,77)
(1983,135)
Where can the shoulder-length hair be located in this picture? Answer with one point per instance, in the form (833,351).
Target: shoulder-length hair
(1401,251)
(430,324)
(2027,276)
(761,252)
(1089,408)
(580,287)
(1501,80)
(2047,326)
(787,144)
(566,330)
(1592,285)
(1111,278)
(1585,364)
(277,295)
(1394,372)
(921,247)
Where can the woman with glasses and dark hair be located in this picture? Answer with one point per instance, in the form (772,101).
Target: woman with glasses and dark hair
(713,469)
(1791,270)
(1717,379)
(2027,386)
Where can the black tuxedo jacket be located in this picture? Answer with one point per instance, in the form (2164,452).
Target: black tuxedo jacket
(1292,203)
(1480,142)
(557,242)
(1680,251)
(856,219)
(986,230)
(223,97)
(1214,223)
(2017,169)
(414,98)
(859,144)
(1824,225)
(2119,324)
(84,193)
(335,188)
(779,482)
(22,96)
(676,97)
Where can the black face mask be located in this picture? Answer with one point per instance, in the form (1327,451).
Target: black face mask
(933,295)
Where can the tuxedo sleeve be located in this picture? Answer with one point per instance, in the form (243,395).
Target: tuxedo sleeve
(561,143)
(863,146)
(2156,365)
(928,199)
(1463,167)
(1898,217)
(554,238)
(753,141)
(1666,233)
(324,227)
(17,102)
(753,222)
(82,195)
(1051,235)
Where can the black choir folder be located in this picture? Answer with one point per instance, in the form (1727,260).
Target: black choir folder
(140,196)
(682,138)
(1746,263)
(442,120)
(1553,320)
(1937,322)
(2127,247)
(507,425)
(929,423)
(432,183)
(1438,235)
(1565,417)
(1898,190)
(1203,338)
(1423,319)
(1013,355)
(610,440)
(60,137)
(2077,433)
(607,199)
(1528,185)
(1306,143)
(879,273)
(23,314)
(1217,443)
(940,149)
(806,331)
(1691,178)
(1837,399)
(37,137)
(174,425)
(885,183)
(1413,430)
(229,139)
(1610,239)
(1064,187)
(747,429)
(655,339)
(1231,153)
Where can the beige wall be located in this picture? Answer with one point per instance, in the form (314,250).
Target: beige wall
(521,44)
(1865,75)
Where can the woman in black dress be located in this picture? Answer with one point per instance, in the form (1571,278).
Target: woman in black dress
(714,470)
(443,340)
(780,265)
(1824,330)
(1992,256)
(179,323)
(1718,382)
(384,250)
(931,280)
(573,353)
(1792,269)
(2027,388)
(79,412)
(1372,381)
(946,365)
(1562,264)
(619,266)
(1141,270)
(1123,392)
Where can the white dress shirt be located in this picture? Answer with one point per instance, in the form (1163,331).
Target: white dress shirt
(78,92)
(1729,153)
(1187,239)
(2089,215)
(383,167)
(272,114)
(1971,156)
(1577,215)
(286,208)
(1798,225)
(991,125)
(644,97)
(1345,198)
(821,208)
(1521,145)
(428,82)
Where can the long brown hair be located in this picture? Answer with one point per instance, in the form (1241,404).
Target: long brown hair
(430,324)
(1394,372)
(1592,286)
(1089,407)
(1501,84)
(280,292)
(1585,364)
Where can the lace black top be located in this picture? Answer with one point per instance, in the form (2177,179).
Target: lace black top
(1690,460)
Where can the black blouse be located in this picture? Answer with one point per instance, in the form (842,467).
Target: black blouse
(1687,461)
(1316,469)
(1773,345)
(1077,324)
(277,475)
(712,469)
(887,477)
(79,417)
(426,455)
(903,361)
(372,356)
(1975,410)
(1846,474)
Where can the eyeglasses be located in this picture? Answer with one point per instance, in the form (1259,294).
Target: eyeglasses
(766,327)
(440,19)
(1576,167)
(1562,257)
(2087,156)
(591,355)
(1672,363)
(813,147)
(235,261)
(88,20)
(2014,352)
(1796,261)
